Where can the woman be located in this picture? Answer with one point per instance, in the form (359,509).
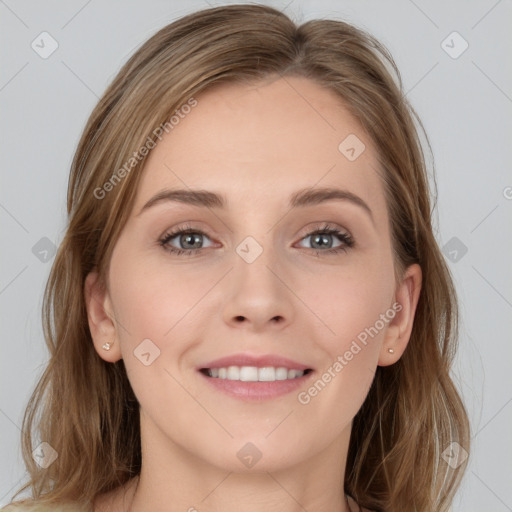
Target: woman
(249,308)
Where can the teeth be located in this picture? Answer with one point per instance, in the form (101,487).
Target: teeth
(233,373)
(254,374)
(266,374)
(248,374)
(293,373)
(281,373)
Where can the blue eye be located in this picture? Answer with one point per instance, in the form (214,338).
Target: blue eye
(322,237)
(191,240)
(187,236)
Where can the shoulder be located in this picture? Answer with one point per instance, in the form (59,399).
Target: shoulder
(35,506)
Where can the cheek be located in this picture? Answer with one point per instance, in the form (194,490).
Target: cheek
(350,302)
(350,307)
(149,300)
(156,303)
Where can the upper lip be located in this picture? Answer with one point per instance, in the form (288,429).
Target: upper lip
(260,361)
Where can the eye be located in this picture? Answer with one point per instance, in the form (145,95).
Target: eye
(189,240)
(321,239)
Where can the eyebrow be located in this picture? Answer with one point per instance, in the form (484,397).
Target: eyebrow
(299,199)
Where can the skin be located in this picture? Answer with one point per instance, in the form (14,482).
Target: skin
(256,145)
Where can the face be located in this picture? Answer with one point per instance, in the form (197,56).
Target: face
(259,278)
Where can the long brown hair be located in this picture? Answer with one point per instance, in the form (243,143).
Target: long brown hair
(85,408)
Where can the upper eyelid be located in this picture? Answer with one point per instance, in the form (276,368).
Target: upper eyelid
(321,225)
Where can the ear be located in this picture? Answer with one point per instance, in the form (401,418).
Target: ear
(101,325)
(399,329)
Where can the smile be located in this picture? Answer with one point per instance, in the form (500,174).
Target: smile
(254,374)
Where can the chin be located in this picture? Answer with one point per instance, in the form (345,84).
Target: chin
(260,455)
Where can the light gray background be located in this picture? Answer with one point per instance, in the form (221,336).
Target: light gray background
(465,104)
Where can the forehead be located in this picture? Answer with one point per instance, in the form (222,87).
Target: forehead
(259,143)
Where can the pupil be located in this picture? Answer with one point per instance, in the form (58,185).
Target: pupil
(322,240)
(185,239)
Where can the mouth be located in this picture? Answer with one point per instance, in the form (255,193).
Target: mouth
(254,373)
(250,377)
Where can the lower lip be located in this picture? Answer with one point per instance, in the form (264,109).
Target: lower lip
(253,391)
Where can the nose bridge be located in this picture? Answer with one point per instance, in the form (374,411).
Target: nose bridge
(257,293)
(253,264)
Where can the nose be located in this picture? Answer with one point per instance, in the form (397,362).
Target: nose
(258,295)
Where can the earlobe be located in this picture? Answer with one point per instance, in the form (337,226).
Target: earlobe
(101,325)
(399,329)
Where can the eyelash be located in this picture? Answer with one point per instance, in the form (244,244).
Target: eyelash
(348,241)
